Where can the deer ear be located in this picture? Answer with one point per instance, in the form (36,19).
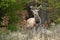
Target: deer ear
(31,7)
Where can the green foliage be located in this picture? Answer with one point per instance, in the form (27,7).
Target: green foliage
(12,27)
(4,4)
(57,20)
(10,7)
(38,1)
(13,18)
(56,7)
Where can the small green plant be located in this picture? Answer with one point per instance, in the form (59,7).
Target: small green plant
(12,27)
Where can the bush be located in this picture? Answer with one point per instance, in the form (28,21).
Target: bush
(57,20)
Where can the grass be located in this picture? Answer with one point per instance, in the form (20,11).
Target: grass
(12,27)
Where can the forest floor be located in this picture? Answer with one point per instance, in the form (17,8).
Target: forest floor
(31,34)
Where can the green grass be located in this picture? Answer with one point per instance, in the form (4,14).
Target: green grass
(12,27)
